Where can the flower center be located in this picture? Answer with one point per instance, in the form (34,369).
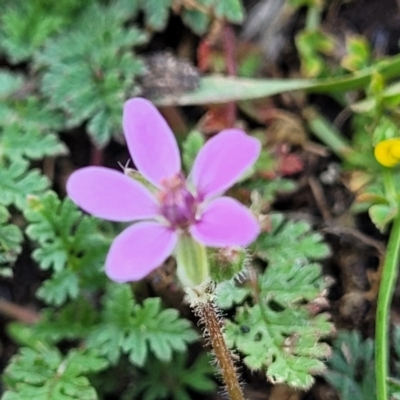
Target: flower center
(177,204)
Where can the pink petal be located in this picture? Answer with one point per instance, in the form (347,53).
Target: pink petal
(226,222)
(138,250)
(110,195)
(150,141)
(222,160)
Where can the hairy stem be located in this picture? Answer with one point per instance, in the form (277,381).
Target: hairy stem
(206,311)
(386,289)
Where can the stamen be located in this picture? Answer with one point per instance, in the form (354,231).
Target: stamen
(178,205)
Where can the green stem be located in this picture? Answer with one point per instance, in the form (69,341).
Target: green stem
(386,289)
(313,18)
(390,188)
(328,134)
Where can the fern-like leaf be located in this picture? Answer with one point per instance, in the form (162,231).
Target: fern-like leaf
(134,329)
(280,333)
(10,240)
(173,380)
(70,244)
(156,12)
(33,144)
(26,25)
(290,241)
(46,374)
(17,183)
(351,367)
(91,70)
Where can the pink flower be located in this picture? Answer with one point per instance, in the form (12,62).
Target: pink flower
(180,207)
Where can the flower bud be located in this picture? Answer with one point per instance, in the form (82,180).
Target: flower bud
(226,262)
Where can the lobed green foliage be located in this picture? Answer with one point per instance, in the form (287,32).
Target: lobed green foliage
(70,245)
(46,374)
(10,241)
(178,379)
(351,367)
(134,329)
(275,328)
(91,70)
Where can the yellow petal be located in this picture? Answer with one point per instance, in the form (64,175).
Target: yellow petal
(387,152)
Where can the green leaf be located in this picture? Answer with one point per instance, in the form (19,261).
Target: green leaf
(9,83)
(46,374)
(10,240)
(28,129)
(358,53)
(72,321)
(91,70)
(136,329)
(228,295)
(269,189)
(161,380)
(381,215)
(311,44)
(17,183)
(33,144)
(219,89)
(25,26)
(70,244)
(62,286)
(285,342)
(156,13)
(232,10)
(290,242)
(351,367)
(31,113)
(196,20)
(281,333)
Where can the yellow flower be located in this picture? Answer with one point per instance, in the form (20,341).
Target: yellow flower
(387,152)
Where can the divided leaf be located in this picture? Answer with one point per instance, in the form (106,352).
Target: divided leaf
(70,244)
(9,83)
(16,143)
(281,333)
(27,125)
(17,183)
(232,10)
(26,25)
(91,70)
(198,18)
(163,380)
(285,343)
(10,240)
(135,329)
(304,244)
(351,369)
(156,13)
(45,374)
(72,321)
(282,341)
(62,286)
